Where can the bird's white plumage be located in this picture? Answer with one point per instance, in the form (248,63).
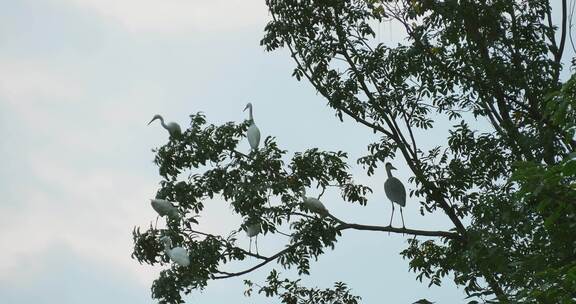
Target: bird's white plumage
(173,128)
(178,254)
(315,205)
(166,240)
(253,136)
(253,133)
(164,207)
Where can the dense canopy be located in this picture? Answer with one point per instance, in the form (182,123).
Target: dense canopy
(504,177)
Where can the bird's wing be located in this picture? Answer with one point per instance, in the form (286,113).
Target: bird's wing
(158,207)
(180,256)
(253,136)
(173,213)
(174,129)
(321,206)
(177,128)
(323,210)
(253,230)
(395,191)
(315,205)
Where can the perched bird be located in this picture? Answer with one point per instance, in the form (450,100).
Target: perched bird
(252,231)
(178,255)
(172,127)
(164,207)
(395,192)
(253,132)
(313,204)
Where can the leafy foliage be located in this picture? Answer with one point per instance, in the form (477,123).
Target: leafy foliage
(290,292)
(504,176)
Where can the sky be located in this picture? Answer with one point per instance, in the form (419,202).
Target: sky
(79,81)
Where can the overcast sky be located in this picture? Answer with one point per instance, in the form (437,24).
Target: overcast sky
(79,80)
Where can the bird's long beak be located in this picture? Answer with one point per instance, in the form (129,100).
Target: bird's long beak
(246,108)
(393,168)
(152,120)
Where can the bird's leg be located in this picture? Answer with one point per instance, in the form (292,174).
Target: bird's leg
(392,215)
(250,246)
(256,241)
(402,218)
(156,224)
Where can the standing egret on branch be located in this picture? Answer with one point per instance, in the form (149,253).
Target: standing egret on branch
(395,192)
(253,231)
(313,204)
(178,255)
(253,132)
(164,207)
(172,127)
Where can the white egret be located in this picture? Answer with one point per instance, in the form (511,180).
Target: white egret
(253,132)
(252,231)
(178,255)
(395,192)
(172,127)
(313,204)
(164,207)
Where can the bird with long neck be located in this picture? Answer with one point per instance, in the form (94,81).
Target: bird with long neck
(253,133)
(173,128)
(395,192)
(178,255)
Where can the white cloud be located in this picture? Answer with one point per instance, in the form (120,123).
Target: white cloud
(180,15)
(64,183)
(31,80)
(60,275)
(81,166)
(92,212)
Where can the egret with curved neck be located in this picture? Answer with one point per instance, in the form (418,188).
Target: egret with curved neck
(178,255)
(253,132)
(395,192)
(172,127)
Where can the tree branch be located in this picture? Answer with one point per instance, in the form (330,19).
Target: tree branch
(341,226)
(225,243)
(563,35)
(342,41)
(445,234)
(266,261)
(320,89)
(344,226)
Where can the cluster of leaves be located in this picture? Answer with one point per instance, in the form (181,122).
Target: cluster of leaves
(291,292)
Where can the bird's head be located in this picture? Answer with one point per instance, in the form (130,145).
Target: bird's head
(389,166)
(154,203)
(157,116)
(303,193)
(248,106)
(166,241)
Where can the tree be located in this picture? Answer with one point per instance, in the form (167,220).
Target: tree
(464,61)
